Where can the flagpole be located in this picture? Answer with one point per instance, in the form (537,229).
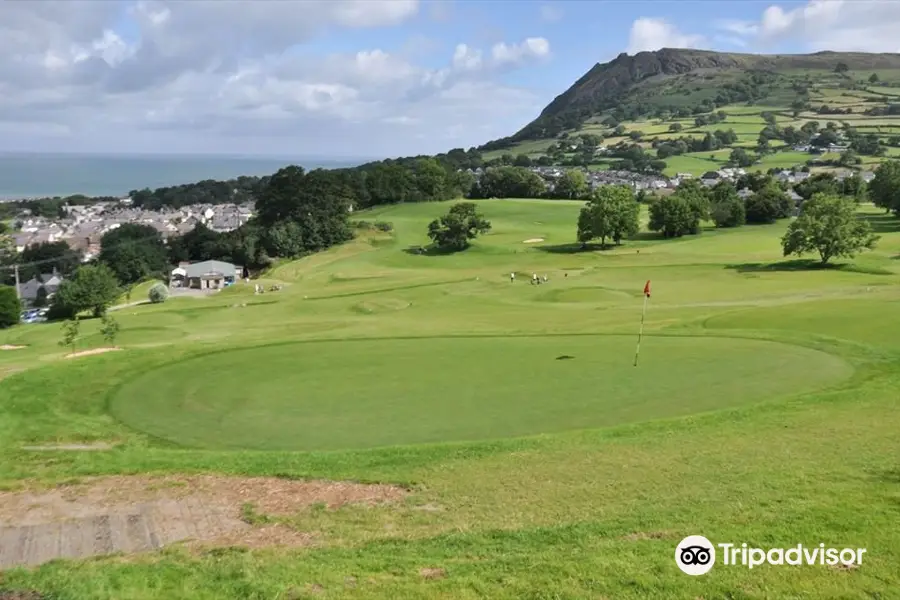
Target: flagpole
(641,331)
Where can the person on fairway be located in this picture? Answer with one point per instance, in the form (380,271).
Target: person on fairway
(512,277)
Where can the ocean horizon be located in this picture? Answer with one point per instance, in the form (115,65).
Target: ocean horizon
(40,175)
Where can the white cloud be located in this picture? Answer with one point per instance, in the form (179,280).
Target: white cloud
(466,58)
(512,54)
(551,13)
(737,27)
(839,25)
(648,34)
(236,76)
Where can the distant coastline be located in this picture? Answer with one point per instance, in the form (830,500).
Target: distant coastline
(31,175)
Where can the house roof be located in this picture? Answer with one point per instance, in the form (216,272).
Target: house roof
(210,266)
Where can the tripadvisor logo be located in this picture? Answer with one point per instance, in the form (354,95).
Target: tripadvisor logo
(696,555)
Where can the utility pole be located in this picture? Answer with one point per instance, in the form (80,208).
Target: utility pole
(18,294)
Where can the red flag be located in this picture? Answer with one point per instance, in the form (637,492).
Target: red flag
(647,289)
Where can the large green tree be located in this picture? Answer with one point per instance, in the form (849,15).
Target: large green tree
(134,252)
(768,205)
(611,213)
(509,182)
(454,230)
(828,225)
(92,287)
(884,189)
(571,185)
(673,216)
(316,204)
(726,207)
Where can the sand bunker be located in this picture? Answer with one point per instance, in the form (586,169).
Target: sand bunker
(10,347)
(133,514)
(533,240)
(90,352)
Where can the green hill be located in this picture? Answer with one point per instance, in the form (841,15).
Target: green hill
(661,94)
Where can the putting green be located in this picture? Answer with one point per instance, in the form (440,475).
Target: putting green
(368,393)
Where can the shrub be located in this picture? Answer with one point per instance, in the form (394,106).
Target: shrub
(10,307)
(384,226)
(158,293)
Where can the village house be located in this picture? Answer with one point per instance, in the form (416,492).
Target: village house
(31,290)
(205,275)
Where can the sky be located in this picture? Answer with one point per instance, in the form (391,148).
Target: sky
(352,78)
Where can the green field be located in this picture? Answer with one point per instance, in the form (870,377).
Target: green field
(747,122)
(535,460)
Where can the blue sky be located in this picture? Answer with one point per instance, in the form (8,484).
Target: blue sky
(353,78)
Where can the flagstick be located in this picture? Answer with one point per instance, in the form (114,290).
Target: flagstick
(641,332)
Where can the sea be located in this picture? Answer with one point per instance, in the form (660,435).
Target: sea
(27,175)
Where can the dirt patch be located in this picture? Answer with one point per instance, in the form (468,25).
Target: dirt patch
(90,352)
(70,447)
(131,514)
(10,347)
(21,595)
(433,573)
(533,241)
(646,535)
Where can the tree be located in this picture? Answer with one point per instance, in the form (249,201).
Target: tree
(841,68)
(673,216)
(828,225)
(612,212)
(92,287)
(884,189)
(50,256)
(820,183)
(572,185)
(109,329)
(134,252)
(768,205)
(70,329)
(873,78)
(726,207)
(675,127)
(10,307)
(854,187)
(741,157)
(158,293)
(509,182)
(454,230)
(318,202)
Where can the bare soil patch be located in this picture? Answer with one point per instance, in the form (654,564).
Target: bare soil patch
(90,352)
(70,447)
(533,240)
(646,535)
(10,347)
(131,514)
(433,573)
(21,595)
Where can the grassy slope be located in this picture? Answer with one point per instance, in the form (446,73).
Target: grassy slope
(591,513)
(747,122)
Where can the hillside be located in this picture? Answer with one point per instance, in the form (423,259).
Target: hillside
(655,98)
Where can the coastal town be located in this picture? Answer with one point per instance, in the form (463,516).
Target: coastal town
(82,226)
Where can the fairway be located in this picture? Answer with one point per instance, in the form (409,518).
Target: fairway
(523,453)
(360,394)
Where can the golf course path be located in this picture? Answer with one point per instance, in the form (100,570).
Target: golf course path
(128,515)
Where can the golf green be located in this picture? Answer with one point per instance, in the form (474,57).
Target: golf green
(369,393)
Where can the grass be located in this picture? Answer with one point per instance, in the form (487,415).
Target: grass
(747,122)
(341,395)
(763,411)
